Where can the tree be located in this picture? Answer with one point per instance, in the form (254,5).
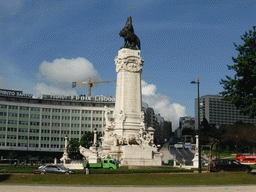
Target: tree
(242,89)
(241,134)
(208,132)
(73,149)
(12,155)
(86,141)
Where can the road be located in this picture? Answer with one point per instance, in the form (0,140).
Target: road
(68,188)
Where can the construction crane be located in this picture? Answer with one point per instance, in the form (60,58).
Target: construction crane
(90,83)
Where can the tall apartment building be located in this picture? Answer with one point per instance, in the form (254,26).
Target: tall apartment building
(219,111)
(41,124)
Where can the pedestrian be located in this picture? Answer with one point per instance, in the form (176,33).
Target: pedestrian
(87,169)
(15,164)
(180,165)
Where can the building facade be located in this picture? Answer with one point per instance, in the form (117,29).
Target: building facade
(40,124)
(167,130)
(188,122)
(159,129)
(219,111)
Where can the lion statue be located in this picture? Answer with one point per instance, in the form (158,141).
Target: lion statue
(130,39)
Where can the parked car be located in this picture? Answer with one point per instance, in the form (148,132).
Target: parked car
(220,165)
(53,169)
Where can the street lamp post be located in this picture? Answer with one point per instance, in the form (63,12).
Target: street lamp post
(199,143)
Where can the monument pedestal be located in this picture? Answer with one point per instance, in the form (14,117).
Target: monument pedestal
(128,115)
(139,156)
(94,158)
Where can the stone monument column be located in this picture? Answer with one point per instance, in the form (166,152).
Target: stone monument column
(128,115)
(196,158)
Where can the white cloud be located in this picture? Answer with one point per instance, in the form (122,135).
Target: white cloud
(42,88)
(161,104)
(62,72)
(148,89)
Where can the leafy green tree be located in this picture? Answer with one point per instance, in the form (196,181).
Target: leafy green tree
(241,134)
(242,89)
(208,132)
(12,155)
(73,149)
(86,141)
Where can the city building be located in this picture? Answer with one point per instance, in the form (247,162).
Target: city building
(178,133)
(219,111)
(181,119)
(159,129)
(188,122)
(40,124)
(167,130)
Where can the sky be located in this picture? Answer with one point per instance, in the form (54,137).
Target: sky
(47,45)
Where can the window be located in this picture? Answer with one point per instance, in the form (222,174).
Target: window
(2,121)
(35,116)
(24,115)
(2,136)
(23,130)
(35,109)
(74,125)
(65,124)
(55,117)
(45,124)
(75,118)
(2,114)
(86,111)
(34,130)
(12,122)
(46,109)
(34,123)
(56,124)
(12,129)
(46,116)
(3,106)
(24,108)
(64,132)
(23,137)
(11,136)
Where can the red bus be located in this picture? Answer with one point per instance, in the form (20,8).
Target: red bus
(246,159)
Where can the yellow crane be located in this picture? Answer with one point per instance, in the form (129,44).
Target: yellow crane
(90,83)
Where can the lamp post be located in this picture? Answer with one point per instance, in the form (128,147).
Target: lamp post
(199,143)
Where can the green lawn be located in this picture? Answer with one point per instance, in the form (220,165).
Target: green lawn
(132,179)
(222,154)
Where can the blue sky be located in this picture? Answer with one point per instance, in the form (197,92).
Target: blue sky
(45,45)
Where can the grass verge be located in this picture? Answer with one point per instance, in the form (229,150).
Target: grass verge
(133,179)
